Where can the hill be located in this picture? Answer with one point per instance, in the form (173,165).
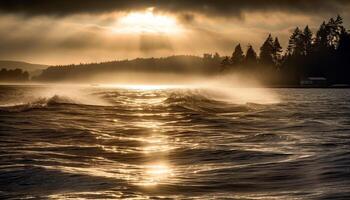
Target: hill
(33,69)
(208,64)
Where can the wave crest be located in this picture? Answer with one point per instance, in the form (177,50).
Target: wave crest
(37,104)
(198,101)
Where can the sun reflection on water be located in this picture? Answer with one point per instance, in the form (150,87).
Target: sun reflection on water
(154,125)
(150,134)
(155,148)
(157,144)
(155,173)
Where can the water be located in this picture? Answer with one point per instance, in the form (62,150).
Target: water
(144,143)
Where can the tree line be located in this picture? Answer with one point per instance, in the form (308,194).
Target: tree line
(13,75)
(184,64)
(323,54)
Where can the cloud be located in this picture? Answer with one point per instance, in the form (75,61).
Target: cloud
(51,41)
(221,8)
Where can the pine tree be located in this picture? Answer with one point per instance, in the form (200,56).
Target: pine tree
(237,56)
(277,51)
(338,31)
(267,52)
(225,63)
(339,19)
(332,29)
(207,56)
(321,40)
(328,35)
(307,41)
(251,57)
(296,43)
(216,57)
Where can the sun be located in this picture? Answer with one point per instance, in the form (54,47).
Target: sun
(147,22)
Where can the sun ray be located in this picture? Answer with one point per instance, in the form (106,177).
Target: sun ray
(147,22)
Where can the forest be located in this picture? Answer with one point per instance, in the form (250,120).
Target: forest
(182,64)
(324,54)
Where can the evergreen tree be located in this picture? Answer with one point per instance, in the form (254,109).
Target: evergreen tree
(328,36)
(324,54)
(225,63)
(334,28)
(237,56)
(291,44)
(321,41)
(216,57)
(267,52)
(296,43)
(251,57)
(207,57)
(339,20)
(277,52)
(307,41)
(339,30)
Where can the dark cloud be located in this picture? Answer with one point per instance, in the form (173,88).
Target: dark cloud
(209,7)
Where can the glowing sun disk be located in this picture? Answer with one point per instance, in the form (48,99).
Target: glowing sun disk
(147,22)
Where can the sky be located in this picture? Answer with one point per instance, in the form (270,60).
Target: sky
(82,31)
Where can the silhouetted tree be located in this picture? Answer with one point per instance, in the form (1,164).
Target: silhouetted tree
(267,52)
(251,58)
(292,68)
(216,57)
(207,56)
(237,56)
(321,40)
(296,43)
(225,63)
(334,30)
(307,34)
(277,52)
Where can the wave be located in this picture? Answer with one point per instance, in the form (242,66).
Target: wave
(37,98)
(199,101)
(37,104)
(230,95)
(196,100)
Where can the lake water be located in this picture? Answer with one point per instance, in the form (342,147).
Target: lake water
(105,142)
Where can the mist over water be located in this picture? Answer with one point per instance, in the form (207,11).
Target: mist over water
(227,88)
(177,141)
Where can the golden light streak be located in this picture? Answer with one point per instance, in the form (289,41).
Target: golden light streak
(147,22)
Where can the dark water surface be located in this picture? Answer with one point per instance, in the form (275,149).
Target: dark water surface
(132,143)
